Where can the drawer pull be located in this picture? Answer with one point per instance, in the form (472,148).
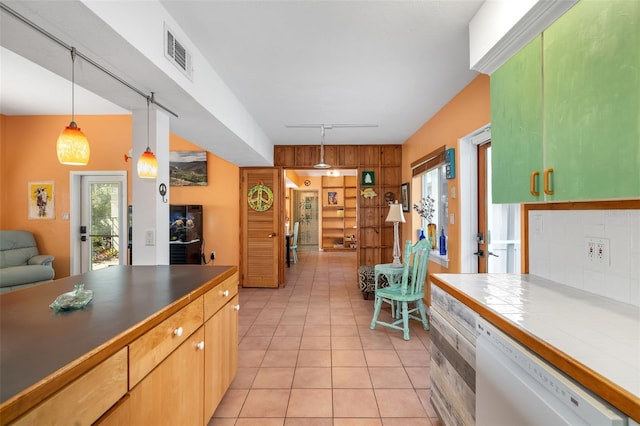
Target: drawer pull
(225,293)
(200,346)
(532,183)
(236,307)
(178,332)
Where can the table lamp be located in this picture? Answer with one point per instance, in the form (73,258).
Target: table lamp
(395,215)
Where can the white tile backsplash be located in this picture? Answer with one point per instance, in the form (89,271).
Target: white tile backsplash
(558,251)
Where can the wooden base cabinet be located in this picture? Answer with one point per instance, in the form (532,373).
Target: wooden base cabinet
(172,393)
(221,355)
(453,359)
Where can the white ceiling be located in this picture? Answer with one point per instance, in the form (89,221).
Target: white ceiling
(390,63)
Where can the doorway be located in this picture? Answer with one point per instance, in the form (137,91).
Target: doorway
(498,224)
(98,228)
(305,211)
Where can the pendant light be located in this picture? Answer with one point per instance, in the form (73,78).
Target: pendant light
(148,163)
(321,164)
(72,146)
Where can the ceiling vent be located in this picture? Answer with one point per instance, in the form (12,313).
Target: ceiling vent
(177,53)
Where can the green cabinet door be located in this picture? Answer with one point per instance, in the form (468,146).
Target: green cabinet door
(516,126)
(592,101)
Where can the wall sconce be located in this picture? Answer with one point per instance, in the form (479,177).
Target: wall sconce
(72,146)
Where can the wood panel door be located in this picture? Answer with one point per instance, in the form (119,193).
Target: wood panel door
(262,241)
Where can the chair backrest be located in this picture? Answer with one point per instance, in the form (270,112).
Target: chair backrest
(416,263)
(296,225)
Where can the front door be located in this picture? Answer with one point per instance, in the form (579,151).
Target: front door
(103,239)
(261,204)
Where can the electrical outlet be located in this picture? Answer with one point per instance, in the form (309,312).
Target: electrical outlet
(602,254)
(590,249)
(150,237)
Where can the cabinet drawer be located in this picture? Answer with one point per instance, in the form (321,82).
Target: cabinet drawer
(215,298)
(150,349)
(85,399)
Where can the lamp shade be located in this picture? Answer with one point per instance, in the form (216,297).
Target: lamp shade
(395,213)
(148,165)
(72,146)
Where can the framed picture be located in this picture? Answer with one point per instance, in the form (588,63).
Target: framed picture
(404,196)
(368,178)
(188,168)
(41,198)
(333,197)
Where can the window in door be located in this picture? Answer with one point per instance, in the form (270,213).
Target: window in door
(104,240)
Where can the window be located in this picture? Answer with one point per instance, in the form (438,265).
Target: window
(429,180)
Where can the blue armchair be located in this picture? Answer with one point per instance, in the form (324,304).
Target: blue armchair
(21,264)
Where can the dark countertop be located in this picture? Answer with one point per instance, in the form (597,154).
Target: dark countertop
(36,342)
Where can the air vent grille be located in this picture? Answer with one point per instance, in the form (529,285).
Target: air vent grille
(177,53)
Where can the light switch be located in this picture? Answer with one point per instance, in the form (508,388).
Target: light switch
(149,237)
(452,220)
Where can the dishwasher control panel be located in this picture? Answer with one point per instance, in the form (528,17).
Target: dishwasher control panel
(588,406)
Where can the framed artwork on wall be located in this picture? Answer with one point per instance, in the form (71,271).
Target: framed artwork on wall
(188,168)
(41,200)
(404,196)
(368,178)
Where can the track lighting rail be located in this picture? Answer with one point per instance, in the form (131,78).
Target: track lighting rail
(52,37)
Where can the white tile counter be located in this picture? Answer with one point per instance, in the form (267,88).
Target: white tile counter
(593,339)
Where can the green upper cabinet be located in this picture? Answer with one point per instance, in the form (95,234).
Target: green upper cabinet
(516,126)
(590,119)
(592,101)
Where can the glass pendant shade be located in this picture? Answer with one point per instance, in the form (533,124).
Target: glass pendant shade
(148,165)
(72,146)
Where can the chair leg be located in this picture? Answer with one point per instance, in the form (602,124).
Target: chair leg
(405,319)
(376,312)
(423,314)
(295,255)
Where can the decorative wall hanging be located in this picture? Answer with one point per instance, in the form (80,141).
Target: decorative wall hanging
(368,178)
(41,200)
(188,168)
(260,197)
(405,197)
(368,193)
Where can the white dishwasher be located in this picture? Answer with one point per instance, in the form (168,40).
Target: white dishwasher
(516,387)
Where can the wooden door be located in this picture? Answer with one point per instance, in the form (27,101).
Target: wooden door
(262,241)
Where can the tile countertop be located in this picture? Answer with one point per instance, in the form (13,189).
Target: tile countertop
(593,339)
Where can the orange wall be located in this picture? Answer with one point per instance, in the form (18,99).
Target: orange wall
(220,201)
(466,112)
(27,153)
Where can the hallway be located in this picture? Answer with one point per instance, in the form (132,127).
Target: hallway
(307,356)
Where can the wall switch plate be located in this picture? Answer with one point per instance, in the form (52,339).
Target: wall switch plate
(150,237)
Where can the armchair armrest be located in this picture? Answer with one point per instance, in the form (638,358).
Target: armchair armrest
(41,259)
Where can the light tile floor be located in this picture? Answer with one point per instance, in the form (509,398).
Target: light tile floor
(307,355)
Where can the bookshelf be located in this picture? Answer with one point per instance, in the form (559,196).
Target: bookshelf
(339,213)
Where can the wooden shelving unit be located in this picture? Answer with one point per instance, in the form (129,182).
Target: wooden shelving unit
(339,213)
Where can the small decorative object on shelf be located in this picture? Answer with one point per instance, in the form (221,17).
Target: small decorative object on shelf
(443,243)
(426,210)
(76,299)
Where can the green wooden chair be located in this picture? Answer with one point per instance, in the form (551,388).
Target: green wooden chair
(416,262)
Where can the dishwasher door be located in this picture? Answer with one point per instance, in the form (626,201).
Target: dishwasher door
(515,387)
